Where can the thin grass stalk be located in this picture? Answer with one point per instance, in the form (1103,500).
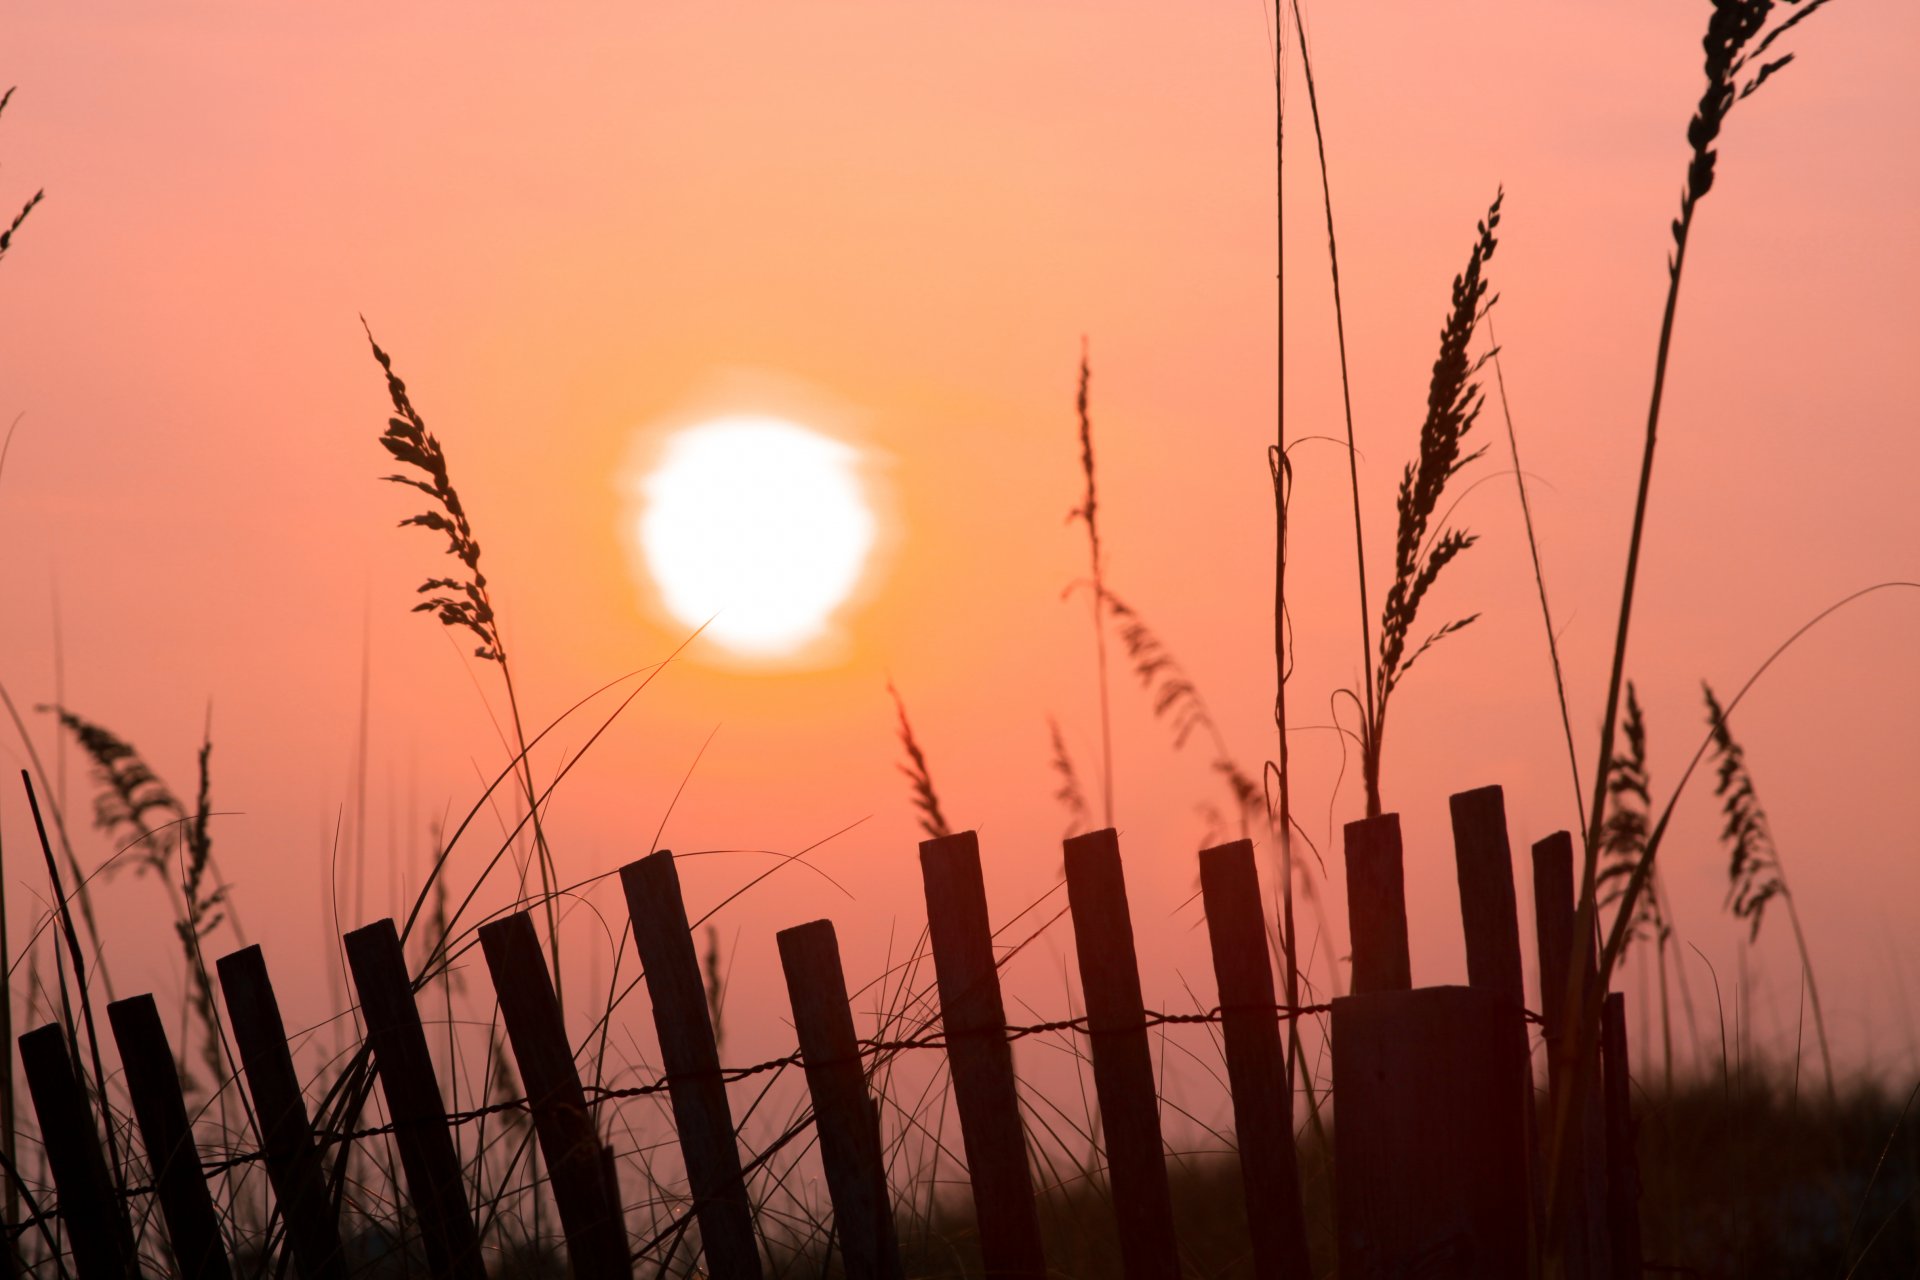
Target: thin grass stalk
(1539,578)
(1346,385)
(1281,474)
(83,894)
(1088,513)
(72,937)
(1734,37)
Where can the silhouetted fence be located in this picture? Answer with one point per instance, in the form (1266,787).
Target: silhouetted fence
(1437,1151)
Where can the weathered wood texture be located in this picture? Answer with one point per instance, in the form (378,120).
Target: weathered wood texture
(692,1062)
(1256,1062)
(1490,924)
(589,1218)
(1122,1061)
(294,1166)
(1489,917)
(96,1226)
(1377,906)
(436,1189)
(1429,1149)
(173,1157)
(844,1114)
(981,1061)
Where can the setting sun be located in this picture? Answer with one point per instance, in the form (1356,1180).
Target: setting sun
(756,527)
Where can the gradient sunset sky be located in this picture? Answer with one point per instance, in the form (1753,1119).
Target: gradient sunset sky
(896,222)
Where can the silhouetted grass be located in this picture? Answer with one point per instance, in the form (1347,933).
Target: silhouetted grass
(1420,553)
(1754,874)
(926,801)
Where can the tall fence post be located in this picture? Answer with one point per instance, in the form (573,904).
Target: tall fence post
(1623,1166)
(1483,862)
(1122,1062)
(97,1229)
(843,1110)
(595,1231)
(692,1062)
(292,1156)
(1256,1063)
(405,1069)
(1581,1227)
(1430,1164)
(1490,923)
(173,1157)
(1377,905)
(979,1057)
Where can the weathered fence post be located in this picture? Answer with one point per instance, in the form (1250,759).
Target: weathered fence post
(1489,918)
(1490,924)
(1585,1242)
(594,1227)
(405,1068)
(843,1111)
(1122,1062)
(1256,1063)
(97,1229)
(1430,1163)
(292,1156)
(1377,905)
(173,1157)
(692,1062)
(1623,1167)
(979,1057)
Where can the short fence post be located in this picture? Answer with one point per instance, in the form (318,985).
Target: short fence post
(1122,1062)
(843,1111)
(1585,1241)
(97,1229)
(981,1061)
(595,1231)
(1623,1167)
(692,1062)
(1430,1163)
(173,1157)
(292,1156)
(405,1068)
(1256,1063)
(1377,905)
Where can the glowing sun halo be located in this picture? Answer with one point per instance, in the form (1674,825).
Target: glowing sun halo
(758,528)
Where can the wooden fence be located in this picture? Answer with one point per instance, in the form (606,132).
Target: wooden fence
(1437,1149)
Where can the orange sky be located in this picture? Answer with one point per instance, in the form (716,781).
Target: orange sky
(569,230)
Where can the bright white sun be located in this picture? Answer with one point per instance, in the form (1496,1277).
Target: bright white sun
(758,528)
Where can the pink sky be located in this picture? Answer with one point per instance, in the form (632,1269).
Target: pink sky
(570,230)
